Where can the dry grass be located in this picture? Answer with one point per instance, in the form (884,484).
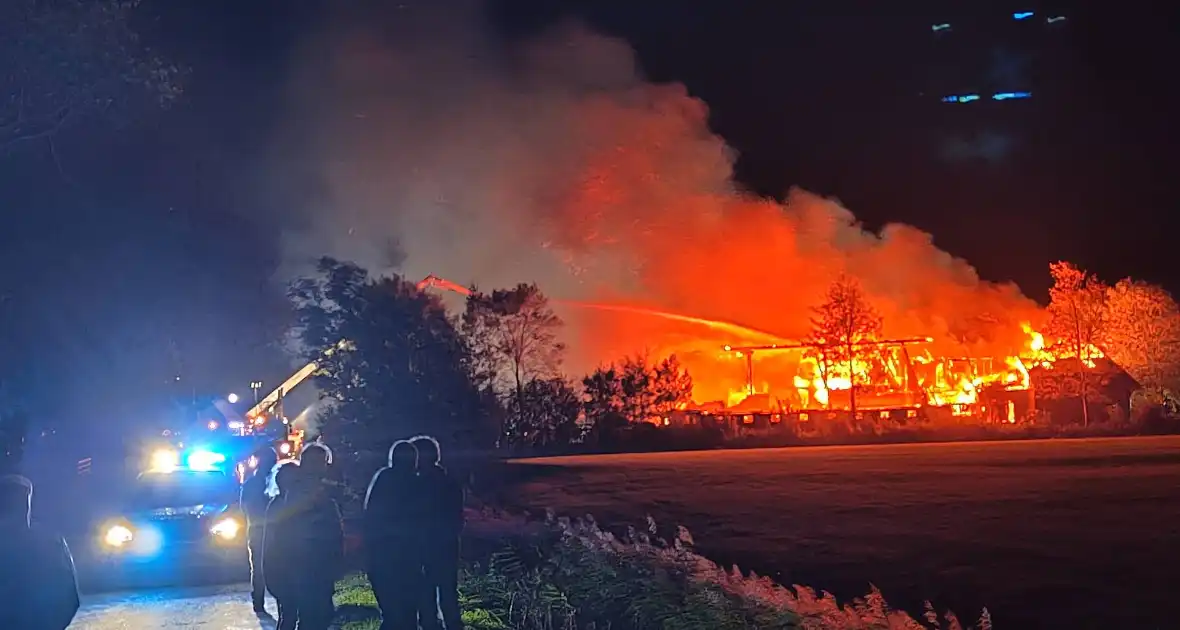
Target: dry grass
(1062,533)
(571,575)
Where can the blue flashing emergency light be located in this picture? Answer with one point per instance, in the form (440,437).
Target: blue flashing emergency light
(203,460)
(1003,96)
(1023,15)
(964,98)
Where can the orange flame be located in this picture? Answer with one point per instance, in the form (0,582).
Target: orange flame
(891,377)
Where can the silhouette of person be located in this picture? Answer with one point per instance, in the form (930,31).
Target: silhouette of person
(316,461)
(303,550)
(37,578)
(281,539)
(323,549)
(392,540)
(254,501)
(442,526)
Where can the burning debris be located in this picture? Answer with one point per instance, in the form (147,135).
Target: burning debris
(890,375)
(893,374)
(554,162)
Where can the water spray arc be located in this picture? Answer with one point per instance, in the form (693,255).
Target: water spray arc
(433,281)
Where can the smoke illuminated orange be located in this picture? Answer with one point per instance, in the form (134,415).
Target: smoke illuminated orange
(558,164)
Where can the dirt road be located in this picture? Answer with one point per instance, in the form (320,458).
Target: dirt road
(214,608)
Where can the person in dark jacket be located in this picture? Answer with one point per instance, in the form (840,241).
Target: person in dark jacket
(392,538)
(442,526)
(303,550)
(37,579)
(322,555)
(280,544)
(254,501)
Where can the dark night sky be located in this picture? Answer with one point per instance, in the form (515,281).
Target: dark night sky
(822,98)
(816,94)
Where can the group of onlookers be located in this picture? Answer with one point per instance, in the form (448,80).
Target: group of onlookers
(413,517)
(295,537)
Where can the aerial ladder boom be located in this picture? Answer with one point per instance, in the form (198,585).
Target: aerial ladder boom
(433,281)
(281,391)
(305,372)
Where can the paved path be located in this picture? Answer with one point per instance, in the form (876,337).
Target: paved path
(214,608)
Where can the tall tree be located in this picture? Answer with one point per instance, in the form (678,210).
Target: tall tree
(638,397)
(67,61)
(1077,309)
(638,389)
(513,336)
(671,384)
(405,369)
(841,331)
(602,402)
(551,410)
(602,392)
(1141,333)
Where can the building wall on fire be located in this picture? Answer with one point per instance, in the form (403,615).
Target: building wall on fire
(813,423)
(998,405)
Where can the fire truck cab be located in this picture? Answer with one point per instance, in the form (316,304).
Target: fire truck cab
(180,513)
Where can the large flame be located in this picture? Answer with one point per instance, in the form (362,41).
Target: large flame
(891,377)
(557,164)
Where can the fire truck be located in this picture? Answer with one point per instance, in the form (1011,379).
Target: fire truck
(180,512)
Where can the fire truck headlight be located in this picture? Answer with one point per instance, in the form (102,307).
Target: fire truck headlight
(118,536)
(227,528)
(165,460)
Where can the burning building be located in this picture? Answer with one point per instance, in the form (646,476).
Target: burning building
(555,161)
(896,380)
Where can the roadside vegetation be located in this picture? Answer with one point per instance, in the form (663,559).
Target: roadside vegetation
(572,574)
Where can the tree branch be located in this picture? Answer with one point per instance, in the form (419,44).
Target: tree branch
(57,161)
(21,130)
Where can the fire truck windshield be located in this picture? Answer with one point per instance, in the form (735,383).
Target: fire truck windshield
(182,489)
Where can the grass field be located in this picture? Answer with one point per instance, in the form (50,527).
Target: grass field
(1046,534)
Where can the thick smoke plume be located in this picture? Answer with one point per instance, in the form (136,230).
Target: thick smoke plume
(424,143)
